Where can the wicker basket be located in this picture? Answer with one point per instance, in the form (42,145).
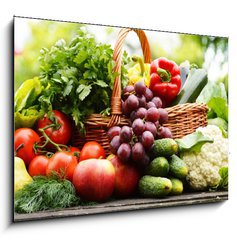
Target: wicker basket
(183,119)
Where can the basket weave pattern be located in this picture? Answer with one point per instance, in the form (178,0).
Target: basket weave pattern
(186,118)
(183,119)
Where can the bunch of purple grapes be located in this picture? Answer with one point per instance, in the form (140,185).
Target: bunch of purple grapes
(132,143)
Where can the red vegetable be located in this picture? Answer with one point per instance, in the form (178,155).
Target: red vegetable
(92,149)
(165,80)
(62,163)
(75,151)
(38,166)
(24,141)
(61,132)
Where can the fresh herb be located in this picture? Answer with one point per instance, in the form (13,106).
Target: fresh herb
(78,77)
(193,142)
(44,194)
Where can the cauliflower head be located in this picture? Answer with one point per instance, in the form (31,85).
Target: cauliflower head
(204,166)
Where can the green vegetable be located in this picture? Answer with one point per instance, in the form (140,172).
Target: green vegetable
(178,167)
(79,76)
(214,95)
(221,123)
(193,142)
(223,184)
(159,167)
(204,165)
(194,84)
(150,186)
(44,194)
(27,94)
(27,117)
(177,186)
(164,147)
(26,103)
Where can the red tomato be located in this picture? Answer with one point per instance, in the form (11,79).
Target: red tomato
(92,150)
(75,151)
(38,166)
(27,138)
(63,163)
(61,135)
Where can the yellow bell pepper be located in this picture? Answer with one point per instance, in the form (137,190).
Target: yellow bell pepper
(139,72)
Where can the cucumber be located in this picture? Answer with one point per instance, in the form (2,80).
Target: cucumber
(196,81)
(159,167)
(178,167)
(150,186)
(177,186)
(164,147)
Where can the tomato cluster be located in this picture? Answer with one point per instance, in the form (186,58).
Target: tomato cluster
(45,151)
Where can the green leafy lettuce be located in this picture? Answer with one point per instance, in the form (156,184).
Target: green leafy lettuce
(27,117)
(26,108)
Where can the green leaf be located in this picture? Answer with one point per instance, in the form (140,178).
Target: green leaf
(65,79)
(223,184)
(220,107)
(224,178)
(221,123)
(27,94)
(193,142)
(85,92)
(27,117)
(68,88)
(81,57)
(101,83)
(105,112)
(214,95)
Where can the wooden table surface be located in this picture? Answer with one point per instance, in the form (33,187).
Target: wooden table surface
(127,205)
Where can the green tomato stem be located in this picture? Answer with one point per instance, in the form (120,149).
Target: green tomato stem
(48,140)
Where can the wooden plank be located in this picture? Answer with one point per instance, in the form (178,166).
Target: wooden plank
(127,205)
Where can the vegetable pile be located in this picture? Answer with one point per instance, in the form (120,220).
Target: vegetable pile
(76,80)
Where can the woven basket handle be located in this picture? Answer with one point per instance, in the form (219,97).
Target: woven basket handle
(116,108)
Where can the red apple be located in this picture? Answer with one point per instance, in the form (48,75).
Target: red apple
(94,179)
(126,178)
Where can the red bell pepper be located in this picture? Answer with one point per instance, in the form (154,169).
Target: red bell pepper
(165,80)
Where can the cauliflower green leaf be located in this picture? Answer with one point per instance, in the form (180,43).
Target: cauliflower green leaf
(193,142)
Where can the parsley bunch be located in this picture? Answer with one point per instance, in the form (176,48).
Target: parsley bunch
(78,77)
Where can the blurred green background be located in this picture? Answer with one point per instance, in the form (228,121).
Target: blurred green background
(32,35)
